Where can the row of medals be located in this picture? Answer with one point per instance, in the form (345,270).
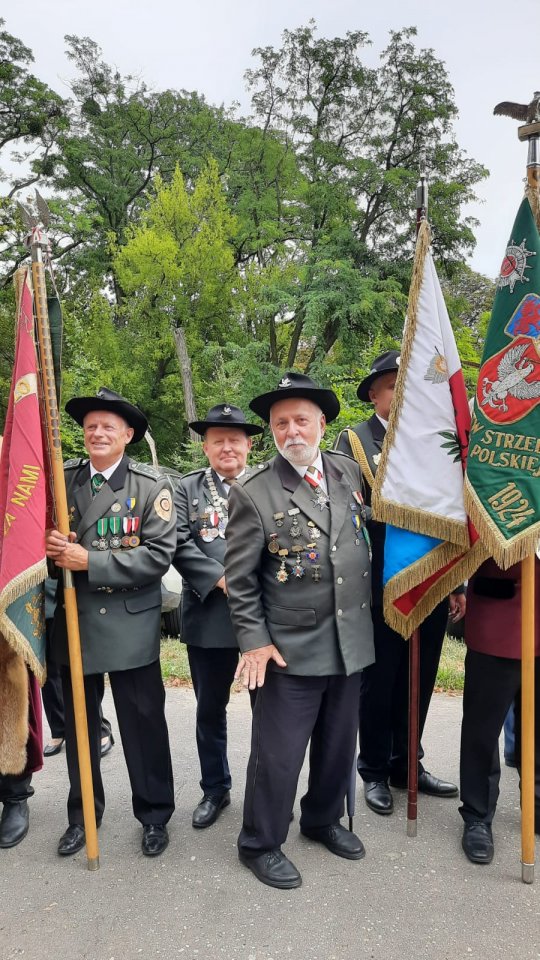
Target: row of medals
(303,552)
(116,526)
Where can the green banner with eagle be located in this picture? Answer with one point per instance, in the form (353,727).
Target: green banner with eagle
(502,487)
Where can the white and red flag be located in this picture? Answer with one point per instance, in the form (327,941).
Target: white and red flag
(430,545)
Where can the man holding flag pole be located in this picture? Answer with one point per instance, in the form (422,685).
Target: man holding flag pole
(430,547)
(502,495)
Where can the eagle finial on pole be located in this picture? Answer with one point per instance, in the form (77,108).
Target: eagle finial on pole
(527,112)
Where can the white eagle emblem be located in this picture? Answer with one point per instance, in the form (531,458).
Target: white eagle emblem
(512,371)
(285,382)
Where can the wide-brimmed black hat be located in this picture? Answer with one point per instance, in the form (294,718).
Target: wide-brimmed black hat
(387,363)
(225,415)
(297,385)
(106,399)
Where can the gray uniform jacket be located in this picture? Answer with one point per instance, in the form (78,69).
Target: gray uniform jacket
(119,596)
(321,627)
(205,614)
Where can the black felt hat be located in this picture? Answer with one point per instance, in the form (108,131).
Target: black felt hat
(225,415)
(387,363)
(297,385)
(106,399)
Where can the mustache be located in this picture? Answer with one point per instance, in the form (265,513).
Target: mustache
(294,443)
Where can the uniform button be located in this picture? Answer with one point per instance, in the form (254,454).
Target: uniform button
(334,549)
(103,610)
(340,579)
(362,605)
(340,613)
(357,543)
(365,573)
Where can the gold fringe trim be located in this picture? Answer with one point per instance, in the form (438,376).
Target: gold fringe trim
(360,456)
(504,552)
(387,511)
(533,196)
(17,641)
(420,521)
(404,624)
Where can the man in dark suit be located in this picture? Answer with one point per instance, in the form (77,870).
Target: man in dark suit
(123,541)
(384,689)
(201,501)
(298,578)
(492,684)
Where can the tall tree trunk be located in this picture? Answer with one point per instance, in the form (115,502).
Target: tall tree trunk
(295,339)
(273,342)
(187,380)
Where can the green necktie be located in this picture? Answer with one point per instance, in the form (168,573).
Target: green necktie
(97,482)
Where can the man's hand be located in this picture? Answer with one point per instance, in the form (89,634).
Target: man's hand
(457,604)
(221,585)
(252,665)
(65,552)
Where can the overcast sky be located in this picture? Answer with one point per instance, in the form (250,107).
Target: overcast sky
(490,50)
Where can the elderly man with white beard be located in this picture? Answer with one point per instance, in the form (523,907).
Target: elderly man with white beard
(297,569)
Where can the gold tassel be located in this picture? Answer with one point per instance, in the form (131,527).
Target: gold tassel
(504,552)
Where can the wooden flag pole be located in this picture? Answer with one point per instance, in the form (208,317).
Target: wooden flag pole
(60,498)
(414,699)
(527,719)
(414,641)
(531,133)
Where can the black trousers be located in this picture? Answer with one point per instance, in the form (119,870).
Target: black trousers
(491,684)
(53,699)
(212,673)
(384,695)
(139,699)
(288,711)
(14,788)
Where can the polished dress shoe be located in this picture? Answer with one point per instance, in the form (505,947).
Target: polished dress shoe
(378,797)
(14,822)
(107,743)
(338,840)
(155,839)
(54,747)
(429,784)
(209,809)
(477,841)
(273,868)
(72,840)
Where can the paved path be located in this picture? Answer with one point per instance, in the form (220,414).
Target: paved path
(412,898)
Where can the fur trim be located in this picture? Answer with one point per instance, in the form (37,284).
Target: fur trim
(13,710)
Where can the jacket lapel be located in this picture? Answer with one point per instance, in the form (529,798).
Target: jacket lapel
(302,494)
(340,496)
(94,508)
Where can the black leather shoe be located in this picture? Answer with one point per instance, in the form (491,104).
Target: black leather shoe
(209,810)
(72,840)
(155,839)
(274,869)
(107,743)
(429,784)
(51,749)
(338,840)
(477,842)
(378,797)
(14,823)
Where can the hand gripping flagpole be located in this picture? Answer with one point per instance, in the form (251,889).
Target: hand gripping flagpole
(414,641)
(37,243)
(531,133)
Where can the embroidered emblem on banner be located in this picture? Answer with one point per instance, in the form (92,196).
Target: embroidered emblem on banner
(514,265)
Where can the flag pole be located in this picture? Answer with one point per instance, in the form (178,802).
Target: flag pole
(531,133)
(37,242)
(414,641)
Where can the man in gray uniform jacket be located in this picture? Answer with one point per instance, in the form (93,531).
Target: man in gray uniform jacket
(201,501)
(298,578)
(123,541)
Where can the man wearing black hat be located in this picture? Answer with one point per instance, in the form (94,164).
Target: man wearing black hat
(384,689)
(298,578)
(123,541)
(201,501)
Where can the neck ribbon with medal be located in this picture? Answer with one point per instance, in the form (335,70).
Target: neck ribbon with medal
(128,525)
(217,515)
